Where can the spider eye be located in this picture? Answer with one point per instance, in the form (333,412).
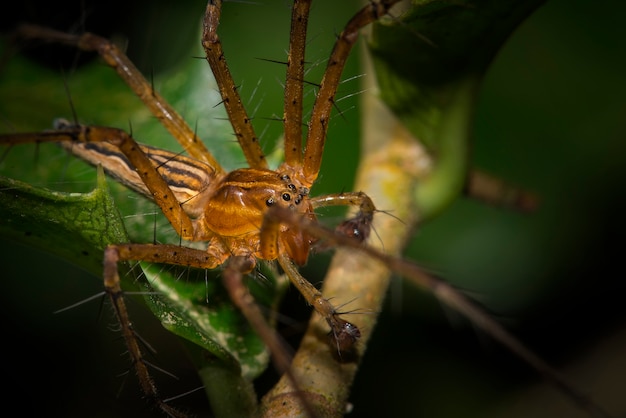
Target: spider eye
(285,177)
(270,201)
(291,187)
(286,197)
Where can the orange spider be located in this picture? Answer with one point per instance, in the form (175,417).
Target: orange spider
(204,203)
(248,214)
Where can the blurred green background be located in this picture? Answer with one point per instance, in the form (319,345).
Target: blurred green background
(551,118)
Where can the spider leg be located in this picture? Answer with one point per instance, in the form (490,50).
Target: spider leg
(150,177)
(324,100)
(292,115)
(360,225)
(117,60)
(324,364)
(232,100)
(343,332)
(232,277)
(493,191)
(114,254)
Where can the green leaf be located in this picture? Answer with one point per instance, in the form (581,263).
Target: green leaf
(75,226)
(429,64)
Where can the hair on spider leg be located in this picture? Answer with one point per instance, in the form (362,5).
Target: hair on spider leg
(155,341)
(346,341)
(173,379)
(183,394)
(252,98)
(358,311)
(259,277)
(289,321)
(81,302)
(115,327)
(154,366)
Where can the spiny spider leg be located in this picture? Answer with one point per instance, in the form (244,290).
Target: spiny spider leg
(124,67)
(232,277)
(230,96)
(154,182)
(359,226)
(113,254)
(324,100)
(292,113)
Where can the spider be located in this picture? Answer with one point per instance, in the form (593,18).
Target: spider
(205,203)
(341,328)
